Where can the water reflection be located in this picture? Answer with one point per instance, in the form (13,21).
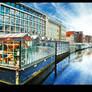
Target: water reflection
(79,70)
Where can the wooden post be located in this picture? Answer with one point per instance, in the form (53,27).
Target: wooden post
(20,55)
(17,70)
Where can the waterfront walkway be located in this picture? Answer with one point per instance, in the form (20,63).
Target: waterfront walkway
(79,70)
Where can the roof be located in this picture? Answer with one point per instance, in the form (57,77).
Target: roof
(53,20)
(13,35)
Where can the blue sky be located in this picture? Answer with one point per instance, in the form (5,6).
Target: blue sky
(75,16)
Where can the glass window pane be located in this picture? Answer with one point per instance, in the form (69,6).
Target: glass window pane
(17,6)
(6,27)
(7,19)
(22,22)
(30,24)
(17,21)
(17,14)
(12,12)
(22,8)
(25,16)
(1,17)
(17,29)
(30,11)
(25,22)
(22,29)
(26,10)
(2,8)
(13,4)
(12,29)
(12,21)
(25,30)
(2,13)
(22,15)
(33,18)
(1,27)
(1,22)
(7,10)
(29,17)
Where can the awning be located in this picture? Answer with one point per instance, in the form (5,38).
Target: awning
(14,37)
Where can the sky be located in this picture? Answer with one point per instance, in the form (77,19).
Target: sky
(75,16)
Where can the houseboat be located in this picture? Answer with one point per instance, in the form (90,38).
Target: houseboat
(21,59)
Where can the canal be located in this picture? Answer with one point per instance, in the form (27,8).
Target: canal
(74,69)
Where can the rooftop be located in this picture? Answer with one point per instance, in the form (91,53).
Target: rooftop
(13,35)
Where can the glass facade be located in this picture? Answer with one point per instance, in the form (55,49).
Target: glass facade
(19,20)
(31,52)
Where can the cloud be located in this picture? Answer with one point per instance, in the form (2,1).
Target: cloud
(78,20)
(75,16)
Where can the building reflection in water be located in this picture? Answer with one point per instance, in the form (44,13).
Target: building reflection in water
(78,71)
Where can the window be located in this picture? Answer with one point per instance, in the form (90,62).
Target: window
(12,21)
(22,8)
(1,17)
(13,4)
(17,29)
(2,8)
(25,30)
(36,26)
(33,18)
(36,19)
(22,15)
(17,14)
(35,31)
(39,20)
(12,29)
(7,10)
(29,23)
(2,13)
(7,20)
(39,27)
(33,25)
(17,21)
(1,27)
(12,12)
(25,16)
(22,30)
(29,17)
(1,22)
(26,23)
(27,10)
(17,6)
(6,27)
(30,11)
(22,22)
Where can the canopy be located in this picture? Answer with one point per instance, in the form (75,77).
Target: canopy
(14,37)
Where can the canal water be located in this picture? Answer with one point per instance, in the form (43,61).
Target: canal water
(75,69)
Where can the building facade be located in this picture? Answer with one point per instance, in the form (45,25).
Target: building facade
(78,36)
(18,18)
(70,36)
(88,39)
(54,29)
(63,32)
